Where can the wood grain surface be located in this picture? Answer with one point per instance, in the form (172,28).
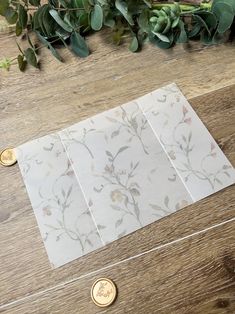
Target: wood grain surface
(191,268)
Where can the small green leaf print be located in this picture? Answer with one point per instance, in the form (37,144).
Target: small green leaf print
(101,227)
(135,192)
(122,149)
(109,154)
(115,133)
(166,201)
(118,222)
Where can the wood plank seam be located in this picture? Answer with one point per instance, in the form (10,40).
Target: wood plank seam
(159,247)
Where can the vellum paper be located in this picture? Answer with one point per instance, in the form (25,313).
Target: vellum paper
(116,172)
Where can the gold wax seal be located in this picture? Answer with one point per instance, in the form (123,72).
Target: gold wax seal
(7,157)
(103,292)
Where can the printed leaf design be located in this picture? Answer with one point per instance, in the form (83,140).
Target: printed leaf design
(137,210)
(109,154)
(166,201)
(156,207)
(88,241)
(135,192)
(69,191)
(118,222)
(97,190)
(115,133)
(101,227)
(227,174)
(111,119)
(218,181)
(115,207)
(122,149)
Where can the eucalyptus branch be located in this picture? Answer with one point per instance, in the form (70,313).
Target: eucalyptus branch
(162,24)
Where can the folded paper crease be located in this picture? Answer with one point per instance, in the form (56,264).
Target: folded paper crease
(107,176)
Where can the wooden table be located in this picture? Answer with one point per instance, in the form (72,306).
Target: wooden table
(188,265)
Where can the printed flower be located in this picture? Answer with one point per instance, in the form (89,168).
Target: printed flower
(46,211)
(225,167)
(172,155)
(188,121)
(108,169)
(70,173)
(116,196)
(185,110)
(212,146)
(213,154)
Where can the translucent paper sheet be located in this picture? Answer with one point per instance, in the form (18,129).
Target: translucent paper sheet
(105,177)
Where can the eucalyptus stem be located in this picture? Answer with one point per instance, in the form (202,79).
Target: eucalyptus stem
(184,7)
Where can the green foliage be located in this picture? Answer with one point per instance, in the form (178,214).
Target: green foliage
(5,64)
(67,22)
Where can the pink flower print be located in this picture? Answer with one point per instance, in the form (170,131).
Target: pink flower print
(212,146)
(213,154)
(46,211)
(172,155)
(116,196)
(185,110)
(70,173)
(188,121)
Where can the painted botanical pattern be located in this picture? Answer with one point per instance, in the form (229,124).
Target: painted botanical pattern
(110,175)
(128,122)
(192,150)
(62,214)
(128,168)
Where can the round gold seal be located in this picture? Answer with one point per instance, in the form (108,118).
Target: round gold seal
(7,157)
(103,292)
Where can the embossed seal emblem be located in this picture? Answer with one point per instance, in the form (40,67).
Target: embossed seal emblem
(7,157)
(103,292)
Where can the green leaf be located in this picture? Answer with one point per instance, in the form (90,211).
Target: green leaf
(21,63)
(109,21)
(116,38)
(222,2)
(11,15)
(23,16)
(224,13)
(162,37)
(35,3)
(97,18)
(49,46)
(78,45)
(4,4)
(48,23)
(209,18)
(31,57)
(201,22)
(143,21)
(122,7)
(175,22)
(134,45)
(18,29)
(148,3)
(59,21)
(5,64)
(195,31)
(183,38)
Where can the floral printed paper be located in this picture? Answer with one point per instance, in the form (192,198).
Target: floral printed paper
(107,176)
